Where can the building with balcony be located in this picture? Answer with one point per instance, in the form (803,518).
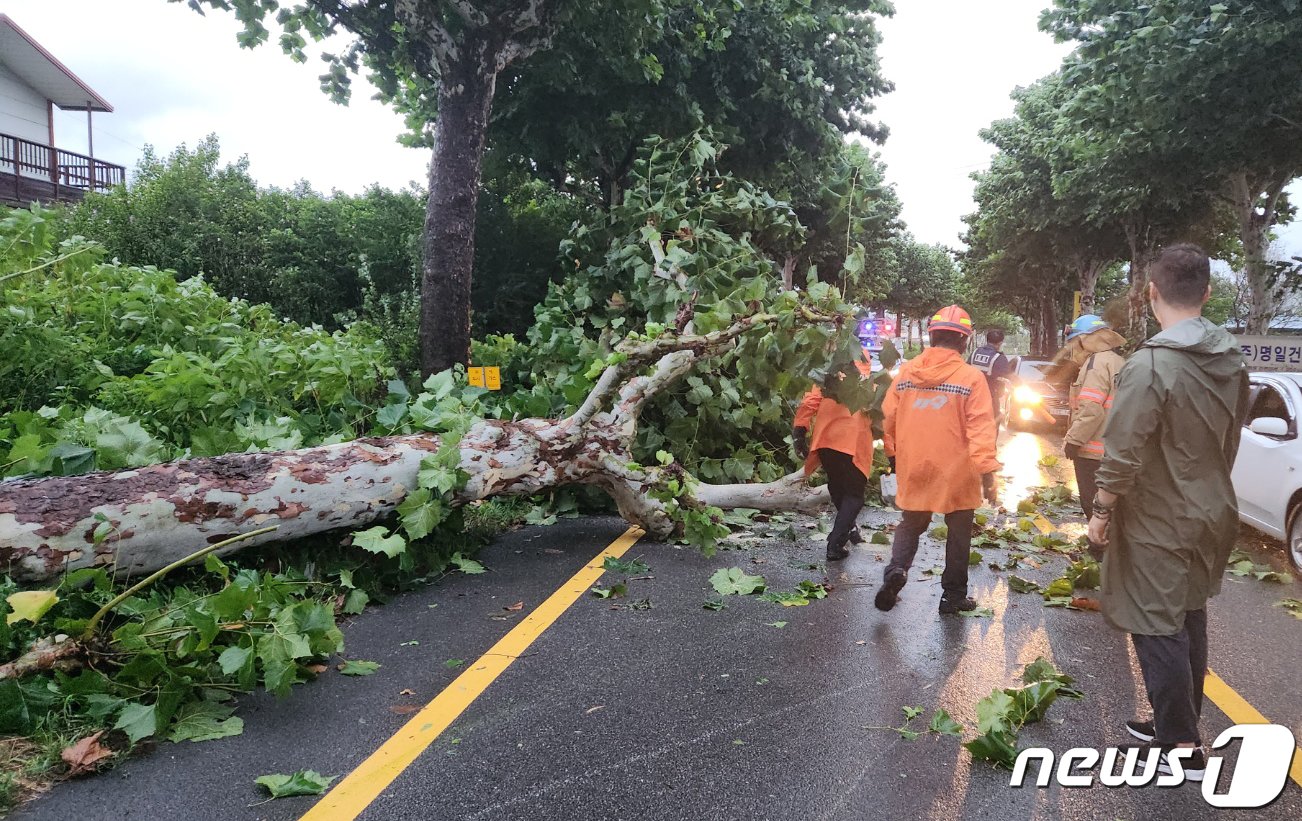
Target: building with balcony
(32,167)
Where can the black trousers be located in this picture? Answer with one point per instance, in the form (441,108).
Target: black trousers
(1085,484)
(958,546)
(1174,669)
(846,484)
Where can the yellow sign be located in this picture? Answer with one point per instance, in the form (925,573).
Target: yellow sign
(493,376)
(1075,307)
(476,377)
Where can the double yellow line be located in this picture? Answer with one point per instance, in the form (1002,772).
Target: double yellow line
(363,785)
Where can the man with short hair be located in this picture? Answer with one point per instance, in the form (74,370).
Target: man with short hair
(1165,507)
(939,434)
(990,360)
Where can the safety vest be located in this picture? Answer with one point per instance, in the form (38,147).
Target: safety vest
(983,359)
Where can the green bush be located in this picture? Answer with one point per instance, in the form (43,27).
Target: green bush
(137,367)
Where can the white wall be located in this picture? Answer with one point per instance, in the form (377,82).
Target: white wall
(23,112)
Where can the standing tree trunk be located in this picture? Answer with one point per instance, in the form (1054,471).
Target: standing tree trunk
(465,100)
(1256,202)
(1088,271)
(1139,240)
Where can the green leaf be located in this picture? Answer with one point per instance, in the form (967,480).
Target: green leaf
(1242,568)
(735,581)
(993,712)
(613,592)
(453,664)
(355,602)
(974,558)
(879,537)
(354,667)
(374,541)
(997,747)
(911,712)
(467,565)
(30,605)
(421,513)
(204,721)
(977,613)
(786,598)
(777,624)
(23,705)
(303,782)
(1059,588)
(715,605)
(1273,576)
(1031,701)
(137,721)
(233,658)
(941,533)
(1293,606)
(1021,585)
(632,567)
(944,724)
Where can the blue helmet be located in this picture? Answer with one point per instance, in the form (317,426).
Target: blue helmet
(1086,324)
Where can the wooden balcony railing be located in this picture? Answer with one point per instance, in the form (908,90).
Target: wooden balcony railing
(40,172)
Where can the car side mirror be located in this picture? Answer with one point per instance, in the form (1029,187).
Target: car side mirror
(1269,426)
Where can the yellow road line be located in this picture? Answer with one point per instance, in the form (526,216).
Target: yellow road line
(1241,712)
(352,795)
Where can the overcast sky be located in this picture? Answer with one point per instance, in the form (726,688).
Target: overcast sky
(174,77)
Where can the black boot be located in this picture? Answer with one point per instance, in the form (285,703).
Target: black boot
(950,606)
(891,587)
(837,551)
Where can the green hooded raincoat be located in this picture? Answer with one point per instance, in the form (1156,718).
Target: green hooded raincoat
(1170,443)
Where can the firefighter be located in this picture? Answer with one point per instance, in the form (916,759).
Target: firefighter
(990,360)
(1096,347)
(843,446)
(939,432)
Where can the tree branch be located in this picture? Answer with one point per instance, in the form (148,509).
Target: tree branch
(441,41)
(516,50)
(468,12)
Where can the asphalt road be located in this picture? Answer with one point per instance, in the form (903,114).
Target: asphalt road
(677,711)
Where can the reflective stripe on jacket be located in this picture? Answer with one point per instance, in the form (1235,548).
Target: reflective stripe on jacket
(1091,400)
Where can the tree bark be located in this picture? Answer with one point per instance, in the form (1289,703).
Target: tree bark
(465,100)
(1139,240)
(159,514)
(1256,202)
(1088,271)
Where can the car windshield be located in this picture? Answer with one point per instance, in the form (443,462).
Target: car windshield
(1032,371)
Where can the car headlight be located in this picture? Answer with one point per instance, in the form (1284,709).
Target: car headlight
(1026,395)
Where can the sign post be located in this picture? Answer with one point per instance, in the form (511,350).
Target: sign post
(1075,307)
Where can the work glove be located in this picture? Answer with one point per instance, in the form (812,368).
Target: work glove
(799,442)
(989,488)
(1071,451)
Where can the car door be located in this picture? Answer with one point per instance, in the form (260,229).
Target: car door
(1262,468)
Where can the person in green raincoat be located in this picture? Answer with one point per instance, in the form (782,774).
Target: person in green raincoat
(1165,508)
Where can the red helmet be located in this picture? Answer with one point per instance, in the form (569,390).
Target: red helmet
(951,318)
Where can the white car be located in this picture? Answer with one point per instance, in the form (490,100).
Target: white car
(1268,471)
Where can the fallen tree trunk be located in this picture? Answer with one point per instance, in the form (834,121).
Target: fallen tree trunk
(140,520)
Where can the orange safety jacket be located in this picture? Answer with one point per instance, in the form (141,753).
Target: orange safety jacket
(836,428)
(940,427)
